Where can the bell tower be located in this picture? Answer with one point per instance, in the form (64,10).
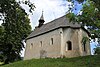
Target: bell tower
(41,20)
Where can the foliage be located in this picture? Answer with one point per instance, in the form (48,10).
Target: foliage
(90,16)
(86,61)
(14,29)
(97,50)
(85,40)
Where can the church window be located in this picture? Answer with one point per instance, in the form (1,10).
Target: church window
(31,45)
(41,44)
(51,41)
(84,47)
(69,45)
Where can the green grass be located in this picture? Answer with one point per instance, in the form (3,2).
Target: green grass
(86,61)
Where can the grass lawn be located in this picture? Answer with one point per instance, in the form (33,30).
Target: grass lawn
(86,61)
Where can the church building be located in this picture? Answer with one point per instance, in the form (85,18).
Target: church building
(55,39)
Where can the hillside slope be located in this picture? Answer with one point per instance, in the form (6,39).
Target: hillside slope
(86,61)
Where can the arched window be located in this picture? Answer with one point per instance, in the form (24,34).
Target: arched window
(84,47)
(51,41)
(69,45)
(41,44)
(31,45)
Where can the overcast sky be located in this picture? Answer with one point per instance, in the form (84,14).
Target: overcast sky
(51,9)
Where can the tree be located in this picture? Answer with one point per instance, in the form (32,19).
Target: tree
(89,17)
(15,28)
(97,50)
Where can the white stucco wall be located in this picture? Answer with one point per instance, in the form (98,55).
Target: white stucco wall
(58,49)
(51,50)
(71,35)
(82,34)
(75,36)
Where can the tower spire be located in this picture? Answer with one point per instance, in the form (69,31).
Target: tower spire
(41,20)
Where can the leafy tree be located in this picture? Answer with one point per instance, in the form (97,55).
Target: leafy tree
(14,29)
(1,36)
(90,17)
(97,50)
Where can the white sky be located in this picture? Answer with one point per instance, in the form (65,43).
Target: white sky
(51,9)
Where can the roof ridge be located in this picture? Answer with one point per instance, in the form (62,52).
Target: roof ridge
(54,24)
(53,20)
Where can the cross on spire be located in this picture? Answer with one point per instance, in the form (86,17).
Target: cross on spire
(42,18)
